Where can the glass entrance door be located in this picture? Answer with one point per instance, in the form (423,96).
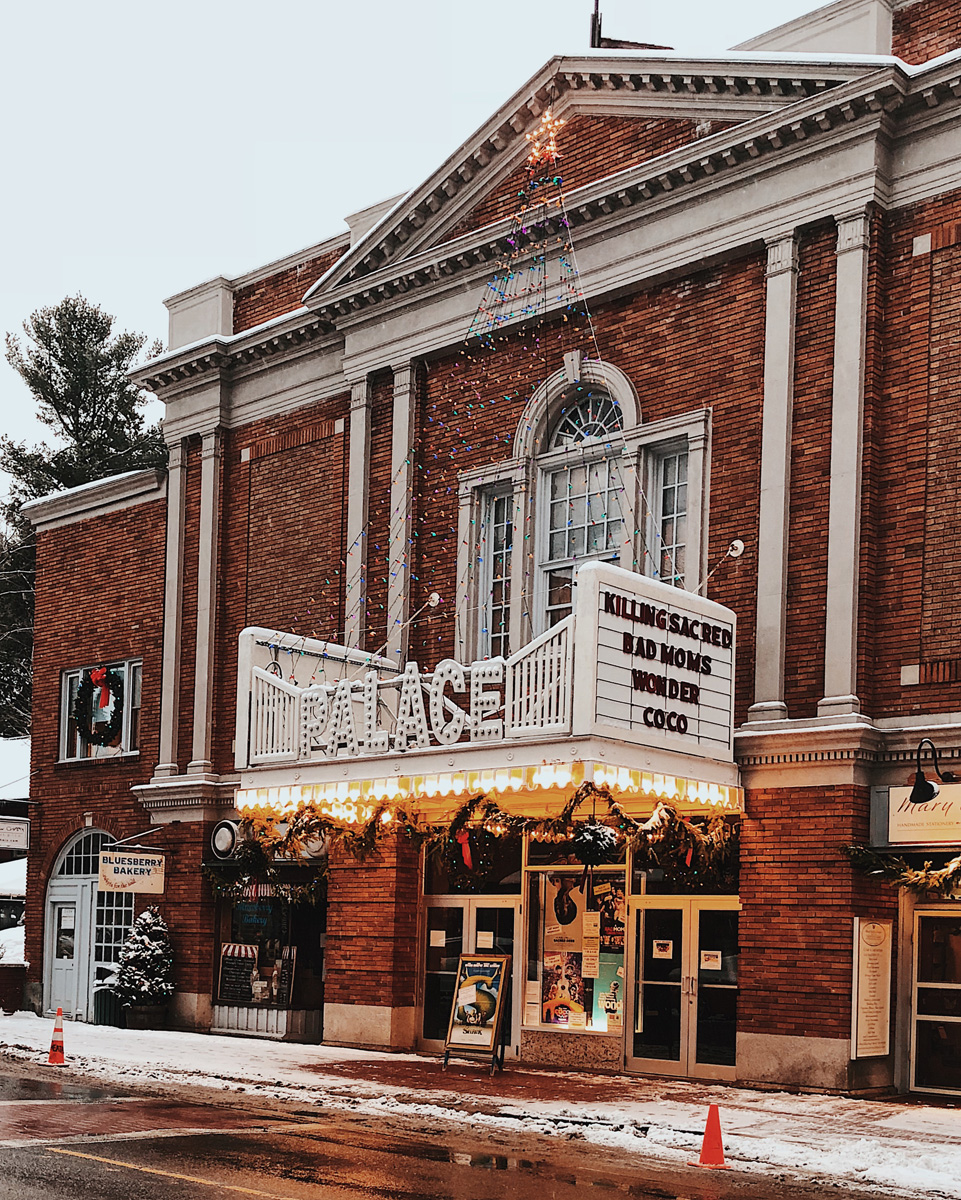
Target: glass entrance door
(458,925)
(683,968)
(936,1039)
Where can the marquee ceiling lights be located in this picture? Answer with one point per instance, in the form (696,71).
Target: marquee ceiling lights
(353,802)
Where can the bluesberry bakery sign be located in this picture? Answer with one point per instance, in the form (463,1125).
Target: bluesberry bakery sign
(663,662)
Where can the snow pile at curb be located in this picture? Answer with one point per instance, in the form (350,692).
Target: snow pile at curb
(774,1133)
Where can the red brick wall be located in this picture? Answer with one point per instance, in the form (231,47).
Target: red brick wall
(280,293)
(810,470)
(686,345)
(379,515)
(371,955)
(591,147)
(916,600)
(925,29)
(99,598)
(282,541)
(800,895)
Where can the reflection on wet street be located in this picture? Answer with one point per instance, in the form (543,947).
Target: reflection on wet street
(66,1140)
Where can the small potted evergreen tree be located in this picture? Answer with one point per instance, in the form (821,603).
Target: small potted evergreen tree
(143,979)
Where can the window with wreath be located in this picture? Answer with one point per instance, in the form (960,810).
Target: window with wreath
(100,710)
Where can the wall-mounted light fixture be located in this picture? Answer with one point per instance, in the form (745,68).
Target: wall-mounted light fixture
(926,789)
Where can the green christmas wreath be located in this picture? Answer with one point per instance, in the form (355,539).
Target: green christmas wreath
(95,683)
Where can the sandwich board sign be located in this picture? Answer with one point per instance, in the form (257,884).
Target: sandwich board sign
(476,1026)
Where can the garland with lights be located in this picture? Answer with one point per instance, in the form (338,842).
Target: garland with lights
(255,872)
(702,852)
(943,881)
(107,684)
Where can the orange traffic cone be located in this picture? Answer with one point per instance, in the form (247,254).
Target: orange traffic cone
(712,1148)
(56,1042)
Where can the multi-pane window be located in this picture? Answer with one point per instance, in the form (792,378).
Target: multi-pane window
(672,519)
(114,919)
(584,519)
(495,544)
(100,710)
(83,857)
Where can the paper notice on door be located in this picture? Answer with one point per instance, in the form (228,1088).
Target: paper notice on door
(577,1021)
(591,926)
(438,937)
(485,939)
(467,995)
(662,949)
(532,992)
(620,972)
(710,960)
(591,960)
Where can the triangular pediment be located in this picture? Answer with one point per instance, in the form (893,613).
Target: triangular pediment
(620,110)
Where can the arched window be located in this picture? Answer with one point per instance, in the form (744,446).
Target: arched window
(582,484)
(587,479)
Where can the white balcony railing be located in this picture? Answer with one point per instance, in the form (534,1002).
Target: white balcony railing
(530,693)
(538,691)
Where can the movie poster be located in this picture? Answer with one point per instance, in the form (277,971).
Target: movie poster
(479,998)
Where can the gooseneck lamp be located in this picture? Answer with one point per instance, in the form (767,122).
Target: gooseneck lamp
(926,789)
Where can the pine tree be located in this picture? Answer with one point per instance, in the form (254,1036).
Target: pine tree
(76,369)
(144,973)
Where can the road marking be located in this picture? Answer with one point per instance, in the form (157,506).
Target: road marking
(116,1162)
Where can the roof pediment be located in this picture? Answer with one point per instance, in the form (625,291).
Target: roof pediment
(619,86)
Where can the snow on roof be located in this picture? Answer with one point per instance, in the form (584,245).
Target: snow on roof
(14,768)
(13,877)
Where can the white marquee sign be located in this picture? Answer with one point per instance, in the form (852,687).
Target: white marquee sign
(663,661)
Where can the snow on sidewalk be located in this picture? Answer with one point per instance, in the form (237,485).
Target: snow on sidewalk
(906,1148)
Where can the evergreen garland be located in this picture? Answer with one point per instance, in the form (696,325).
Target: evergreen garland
(701,851)
(943,881)
(83,709)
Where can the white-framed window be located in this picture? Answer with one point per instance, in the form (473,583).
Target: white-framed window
(495,545)
(588,480)
(100,710)
(581,492)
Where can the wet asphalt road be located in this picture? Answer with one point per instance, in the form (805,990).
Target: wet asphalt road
(63,1140)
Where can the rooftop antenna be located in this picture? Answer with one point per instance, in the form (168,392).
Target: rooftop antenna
(596,26)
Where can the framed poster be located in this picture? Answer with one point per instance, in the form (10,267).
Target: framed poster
(477,1010)
(871,1007)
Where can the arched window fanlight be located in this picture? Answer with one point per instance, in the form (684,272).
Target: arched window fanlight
(586,416)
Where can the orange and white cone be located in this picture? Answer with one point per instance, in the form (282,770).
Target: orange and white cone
(712,1148)
(56,1042)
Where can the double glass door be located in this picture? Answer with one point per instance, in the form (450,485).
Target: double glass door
(457,925)
(683,968)
(936,1038)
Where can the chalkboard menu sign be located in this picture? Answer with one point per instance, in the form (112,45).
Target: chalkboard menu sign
(238,960)
(285,984)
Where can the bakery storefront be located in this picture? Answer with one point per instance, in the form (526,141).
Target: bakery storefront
(577,807)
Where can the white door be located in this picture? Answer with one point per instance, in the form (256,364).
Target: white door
(69,945)
(457,925)
(683,967)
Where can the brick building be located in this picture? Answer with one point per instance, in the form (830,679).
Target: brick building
(713,385)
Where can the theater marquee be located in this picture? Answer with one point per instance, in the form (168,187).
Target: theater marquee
(664,662)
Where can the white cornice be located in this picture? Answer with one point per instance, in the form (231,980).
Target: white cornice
(95,499)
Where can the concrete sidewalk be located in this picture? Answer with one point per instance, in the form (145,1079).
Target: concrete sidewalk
(894,1146)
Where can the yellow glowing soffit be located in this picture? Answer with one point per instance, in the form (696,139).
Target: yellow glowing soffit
(517,789)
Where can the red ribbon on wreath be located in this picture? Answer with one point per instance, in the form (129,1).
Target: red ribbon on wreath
(99,679)
(464,839)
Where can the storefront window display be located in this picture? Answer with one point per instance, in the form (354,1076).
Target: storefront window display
(575,969)
(272,953)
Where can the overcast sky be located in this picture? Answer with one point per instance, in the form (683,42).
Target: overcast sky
(149,146)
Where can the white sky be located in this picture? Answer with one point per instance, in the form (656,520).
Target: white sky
(149,146)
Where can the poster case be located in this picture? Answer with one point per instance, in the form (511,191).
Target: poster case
(476,1027)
